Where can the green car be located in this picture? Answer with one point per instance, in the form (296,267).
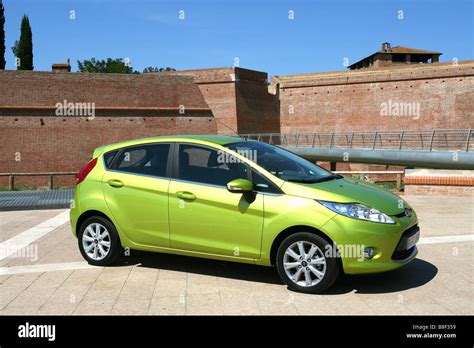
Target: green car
(232,199)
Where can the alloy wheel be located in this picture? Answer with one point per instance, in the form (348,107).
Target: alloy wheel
(304,263)
(96,241)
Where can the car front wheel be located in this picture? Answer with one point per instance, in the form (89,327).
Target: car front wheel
(306,263)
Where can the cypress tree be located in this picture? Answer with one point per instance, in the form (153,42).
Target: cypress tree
(24,50)
(2,36)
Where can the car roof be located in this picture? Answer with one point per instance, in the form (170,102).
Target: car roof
(215,139)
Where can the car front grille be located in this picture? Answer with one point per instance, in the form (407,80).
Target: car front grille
(401,252)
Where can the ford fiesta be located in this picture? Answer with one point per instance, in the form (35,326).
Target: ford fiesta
(230,199)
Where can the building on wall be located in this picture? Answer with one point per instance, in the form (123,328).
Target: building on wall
(398,55)
(61,67)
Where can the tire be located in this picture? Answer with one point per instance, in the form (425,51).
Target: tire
(86,237)
(326,266)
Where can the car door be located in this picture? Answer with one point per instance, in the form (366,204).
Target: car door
(135,187)
(204,216)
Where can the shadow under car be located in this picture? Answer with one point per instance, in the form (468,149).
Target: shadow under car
(413,275)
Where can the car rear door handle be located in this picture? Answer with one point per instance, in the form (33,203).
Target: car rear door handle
(186,195)
(115,183)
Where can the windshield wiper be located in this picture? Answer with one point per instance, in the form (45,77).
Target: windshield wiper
(330,177)
(314,181)
(304,181)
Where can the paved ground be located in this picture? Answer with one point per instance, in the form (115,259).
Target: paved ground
(46,274)
(40,199)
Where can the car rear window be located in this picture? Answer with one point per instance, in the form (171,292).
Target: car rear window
(145,159)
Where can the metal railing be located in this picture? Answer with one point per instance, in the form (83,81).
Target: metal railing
(427,140)
(50,175)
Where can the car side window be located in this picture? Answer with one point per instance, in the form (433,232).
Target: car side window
(209,166)
(263,185)
(109,157)
(145,159)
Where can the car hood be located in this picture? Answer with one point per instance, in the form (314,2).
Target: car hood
(349,190)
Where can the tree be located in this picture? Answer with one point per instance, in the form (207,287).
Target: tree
(117,66)
(23,49)
(155,69)
(2,36)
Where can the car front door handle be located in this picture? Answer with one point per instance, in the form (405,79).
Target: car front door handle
(115,183)
(188,196)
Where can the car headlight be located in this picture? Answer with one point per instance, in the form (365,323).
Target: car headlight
(358,211)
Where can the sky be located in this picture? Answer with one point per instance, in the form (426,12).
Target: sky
(280,37)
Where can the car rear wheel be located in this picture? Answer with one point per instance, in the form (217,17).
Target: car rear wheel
(99,241)
(306,263)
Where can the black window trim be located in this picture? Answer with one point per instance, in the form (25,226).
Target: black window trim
(113,165)
(278,190)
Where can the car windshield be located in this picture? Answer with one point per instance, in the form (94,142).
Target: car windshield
(282,163)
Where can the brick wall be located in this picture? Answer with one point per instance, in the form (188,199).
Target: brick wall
(352,100)
(439,190)
(239,99)
(436,180)
(258,111)
(38,88)
(66,144)
(223,101)
(439,182)
(34,139)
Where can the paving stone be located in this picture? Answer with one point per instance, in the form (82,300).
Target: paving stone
(168,305)
(203,304)
(439,281)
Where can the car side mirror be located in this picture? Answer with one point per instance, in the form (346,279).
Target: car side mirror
(239,186)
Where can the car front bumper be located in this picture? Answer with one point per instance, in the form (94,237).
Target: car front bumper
(388,241)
